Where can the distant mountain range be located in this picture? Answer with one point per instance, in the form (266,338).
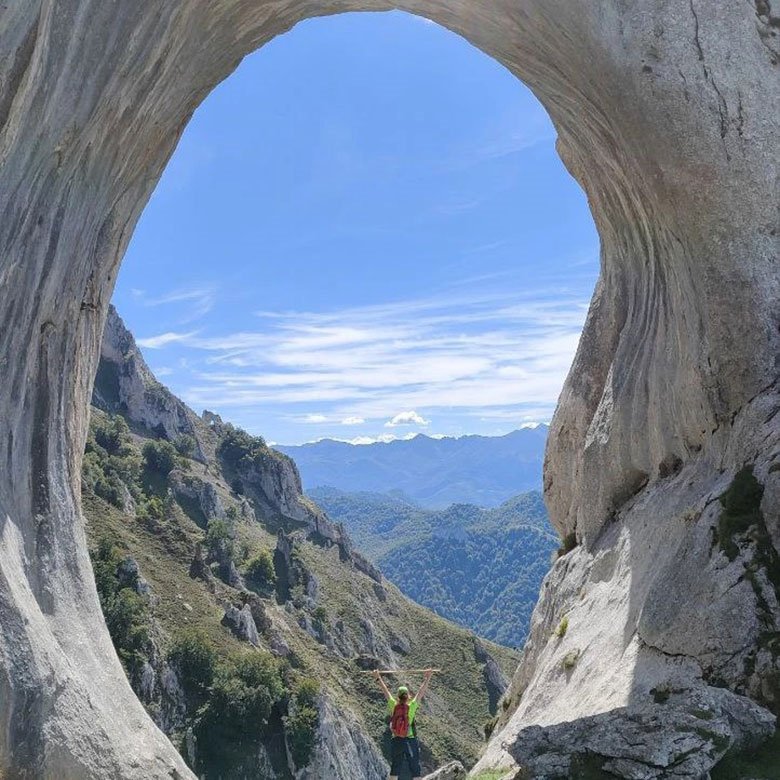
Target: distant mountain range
(435,473)
(481,568)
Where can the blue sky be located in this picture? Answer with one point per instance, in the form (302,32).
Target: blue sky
(364,232)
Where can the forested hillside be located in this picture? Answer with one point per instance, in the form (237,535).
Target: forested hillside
(481,568)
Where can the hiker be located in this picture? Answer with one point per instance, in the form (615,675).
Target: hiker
(402,711)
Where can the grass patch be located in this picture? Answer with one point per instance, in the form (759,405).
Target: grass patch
(563,627)
(661,694)
(741,509)
(568,543)
(761,764)
(570,660)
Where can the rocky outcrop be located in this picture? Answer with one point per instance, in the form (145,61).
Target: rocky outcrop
(452,771)
(673,598)
(342,748)
(129,576)
(665,112)
(125,384)
(683,737)
(199,569)
(495,681)
(241,623)
(198,492)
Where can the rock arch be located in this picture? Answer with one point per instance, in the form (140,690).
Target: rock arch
(666,114)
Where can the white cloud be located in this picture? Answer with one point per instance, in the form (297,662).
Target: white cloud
(315,418)
(157,342)
(352,421)
(407,418)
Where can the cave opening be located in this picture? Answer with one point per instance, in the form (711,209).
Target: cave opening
(365,236)
(669,140)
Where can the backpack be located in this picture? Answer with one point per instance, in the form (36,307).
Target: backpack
(399,720)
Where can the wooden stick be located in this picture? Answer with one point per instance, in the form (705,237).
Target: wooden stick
(399,671)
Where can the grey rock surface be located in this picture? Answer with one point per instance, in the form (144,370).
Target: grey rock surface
(342,747)
(653,609)
(684,737)
(666,114)
(124,383)
(197,490)
(495,680)
(128,573)
(452,771)
(241,623)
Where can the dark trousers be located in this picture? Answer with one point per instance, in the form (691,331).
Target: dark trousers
(405,750)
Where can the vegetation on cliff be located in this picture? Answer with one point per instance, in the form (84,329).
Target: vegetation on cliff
(178,554)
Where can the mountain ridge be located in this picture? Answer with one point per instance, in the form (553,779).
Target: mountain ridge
(435,472)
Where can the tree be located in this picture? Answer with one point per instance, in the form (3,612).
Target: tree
(260,571)
(160,457)
(185,445)
(195,659)
(301,724)
(242,697)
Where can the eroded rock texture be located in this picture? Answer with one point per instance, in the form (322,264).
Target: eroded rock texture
(667,115)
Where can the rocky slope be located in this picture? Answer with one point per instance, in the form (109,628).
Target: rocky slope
(480,567)
(204,548)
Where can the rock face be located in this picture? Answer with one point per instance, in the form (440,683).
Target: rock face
(655,609)
(494,678)
(124,383)
(342,748)
(241,623)
(683,737)
(666,114)
(451,771)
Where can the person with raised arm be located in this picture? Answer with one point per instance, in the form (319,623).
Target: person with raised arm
(403,711)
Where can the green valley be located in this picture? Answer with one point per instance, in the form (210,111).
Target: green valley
(481,568)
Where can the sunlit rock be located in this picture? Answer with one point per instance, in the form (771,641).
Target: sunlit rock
(666,114)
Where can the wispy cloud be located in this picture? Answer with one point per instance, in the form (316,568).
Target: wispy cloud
(491,356)
(199,301)
(165,339)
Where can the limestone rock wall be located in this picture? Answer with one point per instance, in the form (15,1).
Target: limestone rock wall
(342,749)
(666,114)
(125,384)
(655,621)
